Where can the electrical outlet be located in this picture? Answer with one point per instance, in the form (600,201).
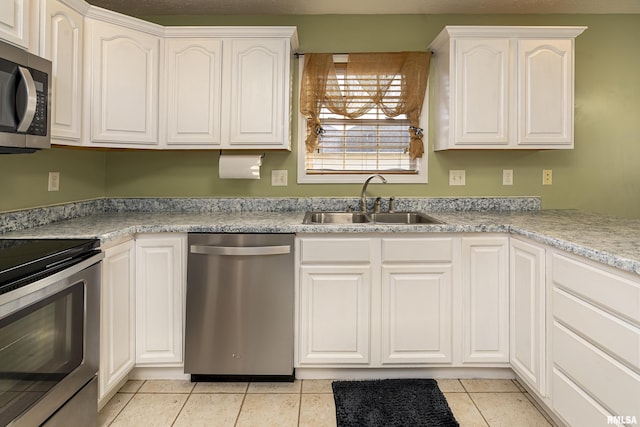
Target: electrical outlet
(507,177)
(54,181)
(547,177)
(457,177)
(279,178)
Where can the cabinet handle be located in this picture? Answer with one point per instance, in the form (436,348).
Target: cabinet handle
(240,250)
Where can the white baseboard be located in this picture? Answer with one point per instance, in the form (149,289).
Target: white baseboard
(381,373)
(158,373)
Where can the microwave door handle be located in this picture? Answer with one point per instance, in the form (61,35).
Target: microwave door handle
(28,96)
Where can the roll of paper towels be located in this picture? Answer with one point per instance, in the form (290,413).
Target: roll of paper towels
(240,166)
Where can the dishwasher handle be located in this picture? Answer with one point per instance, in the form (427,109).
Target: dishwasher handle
(240,250)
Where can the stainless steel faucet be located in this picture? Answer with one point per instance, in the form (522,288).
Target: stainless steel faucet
(363,196)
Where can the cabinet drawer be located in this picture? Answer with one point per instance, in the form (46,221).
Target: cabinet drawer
(417,249)
(608,382)
(335,250)
(619,338)
(574,405)
(611,291)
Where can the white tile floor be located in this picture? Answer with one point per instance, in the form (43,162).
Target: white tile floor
(302,403)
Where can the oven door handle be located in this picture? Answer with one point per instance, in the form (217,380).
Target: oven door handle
(240,250)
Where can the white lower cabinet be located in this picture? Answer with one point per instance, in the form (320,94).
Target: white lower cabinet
(117,319)
(161,261)
(416,314)
(374,302)
(528,308)
(416,299)
(595,341)
(485,299)
(335,305)
(334,291)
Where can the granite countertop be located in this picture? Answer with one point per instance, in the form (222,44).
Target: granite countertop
(610,240)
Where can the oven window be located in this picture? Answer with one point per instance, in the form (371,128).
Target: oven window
(39,346)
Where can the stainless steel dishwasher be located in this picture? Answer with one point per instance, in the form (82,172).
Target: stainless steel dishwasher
(240,299)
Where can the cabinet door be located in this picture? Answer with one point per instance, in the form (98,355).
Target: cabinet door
(160,291)
(485,299)
(527,307)
(481,102)
(14,22)
(123,81)
(335,304)
(117,320)
(63,44)
(259,104)
(545,92)
(194,73)
(416,314)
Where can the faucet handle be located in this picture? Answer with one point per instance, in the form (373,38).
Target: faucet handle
(392,204)
(376,205)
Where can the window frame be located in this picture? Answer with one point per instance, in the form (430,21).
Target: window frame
(422,177)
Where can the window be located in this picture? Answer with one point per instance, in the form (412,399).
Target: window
(349,149)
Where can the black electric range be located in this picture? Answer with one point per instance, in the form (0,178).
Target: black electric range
(24,261)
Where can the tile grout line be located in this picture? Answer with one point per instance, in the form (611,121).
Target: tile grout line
(474,403)
(126,404)
(183,405)
(534,402)
(300,402)
(244,397)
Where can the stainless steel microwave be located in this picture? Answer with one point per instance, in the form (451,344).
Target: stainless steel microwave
(25,101)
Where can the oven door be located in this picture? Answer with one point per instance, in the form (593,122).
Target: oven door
(49,345)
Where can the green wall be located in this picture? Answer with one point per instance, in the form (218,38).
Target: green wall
(601,174)
(24,177)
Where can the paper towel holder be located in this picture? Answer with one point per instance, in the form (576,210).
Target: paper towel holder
(261,156)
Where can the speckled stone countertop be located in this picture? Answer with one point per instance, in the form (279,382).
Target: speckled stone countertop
(610,240)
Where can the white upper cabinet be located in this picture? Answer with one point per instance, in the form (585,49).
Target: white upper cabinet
(227,87)
(482,99)
(545,92)
(122,84)
(193,89)
(14,22)
(62,43)
(503,87)
(259,93)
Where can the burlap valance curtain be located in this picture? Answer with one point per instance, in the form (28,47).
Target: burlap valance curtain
(373,80)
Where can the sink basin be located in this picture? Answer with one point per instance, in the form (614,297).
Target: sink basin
(363,218)
(403,218)
(335,218)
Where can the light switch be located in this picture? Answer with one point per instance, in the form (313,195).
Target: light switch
(54,181)
(457,177)
(507,177)
(279,178)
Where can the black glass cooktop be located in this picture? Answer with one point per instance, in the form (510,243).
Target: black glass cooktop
(23,261)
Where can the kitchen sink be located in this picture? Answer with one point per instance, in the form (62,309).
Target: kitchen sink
(369,218)
(403,218)
(335,218)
